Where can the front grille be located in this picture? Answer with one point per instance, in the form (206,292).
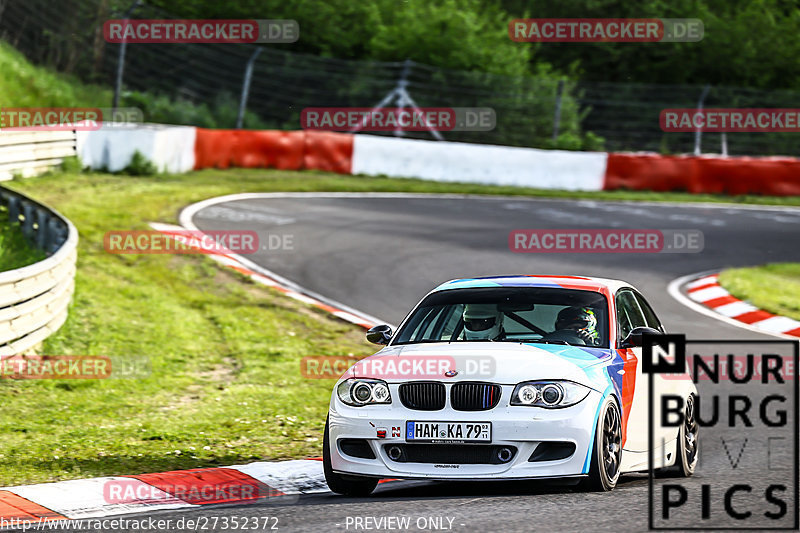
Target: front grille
(474,396)
(423,396)
(464,454)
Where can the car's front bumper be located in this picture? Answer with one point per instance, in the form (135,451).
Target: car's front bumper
(521,427)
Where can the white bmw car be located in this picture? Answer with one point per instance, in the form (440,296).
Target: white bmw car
(518,377)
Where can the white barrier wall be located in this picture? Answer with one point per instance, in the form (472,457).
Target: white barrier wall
(478,163)
(170,148)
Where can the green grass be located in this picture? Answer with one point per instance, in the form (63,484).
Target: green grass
(225,386)
(23,84)
(15,250)
(774,287)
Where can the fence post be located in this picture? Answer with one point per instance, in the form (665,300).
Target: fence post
(121,58)
(557,113)
(248,77)
(698,134)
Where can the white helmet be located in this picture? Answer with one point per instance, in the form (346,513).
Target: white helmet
(482,321)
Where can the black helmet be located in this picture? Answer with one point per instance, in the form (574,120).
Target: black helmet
(580,319)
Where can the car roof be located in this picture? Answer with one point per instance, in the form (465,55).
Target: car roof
(566,282)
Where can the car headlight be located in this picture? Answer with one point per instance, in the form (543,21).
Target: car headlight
(358,392)
(549,394)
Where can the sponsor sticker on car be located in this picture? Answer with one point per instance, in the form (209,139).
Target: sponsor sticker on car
(448,432)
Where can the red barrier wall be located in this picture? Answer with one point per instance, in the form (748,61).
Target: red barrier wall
(285,150)
(774,176)
(329,151)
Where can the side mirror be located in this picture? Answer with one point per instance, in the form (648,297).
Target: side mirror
(634,338)
(379,334)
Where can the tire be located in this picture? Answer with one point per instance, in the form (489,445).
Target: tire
(339,483)
(604,470)
(688,449)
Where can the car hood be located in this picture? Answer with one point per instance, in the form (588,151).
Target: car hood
(497,362)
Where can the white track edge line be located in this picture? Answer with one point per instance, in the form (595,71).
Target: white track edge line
(455,196)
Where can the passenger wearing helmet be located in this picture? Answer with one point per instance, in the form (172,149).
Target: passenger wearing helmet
(581,320)
(482,322)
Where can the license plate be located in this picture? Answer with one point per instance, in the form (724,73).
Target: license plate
(447,432)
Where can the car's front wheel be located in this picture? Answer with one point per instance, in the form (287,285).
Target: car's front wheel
(340,483)
(604,470)
(688,442)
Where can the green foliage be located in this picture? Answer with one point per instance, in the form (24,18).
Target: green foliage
(593,143)
(751,43)
(221,113)
(456,34)
(140,166)
(71,165)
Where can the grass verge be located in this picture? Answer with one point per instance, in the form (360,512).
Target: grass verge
(774,287)
(225,384)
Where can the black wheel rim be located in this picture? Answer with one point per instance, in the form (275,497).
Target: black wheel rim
(612,442)
(690,428)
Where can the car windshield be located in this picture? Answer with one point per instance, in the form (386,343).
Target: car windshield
(509,314)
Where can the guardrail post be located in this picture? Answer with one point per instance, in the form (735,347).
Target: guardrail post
(699,133)
(13,208)
(53,239)
(27,224)
(248,77)
(121,59)
(41,228)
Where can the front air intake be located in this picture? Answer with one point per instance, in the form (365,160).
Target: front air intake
(465,454)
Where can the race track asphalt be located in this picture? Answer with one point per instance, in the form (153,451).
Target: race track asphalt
(381,254)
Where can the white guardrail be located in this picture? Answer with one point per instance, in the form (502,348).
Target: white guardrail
(34,299)
(27,153)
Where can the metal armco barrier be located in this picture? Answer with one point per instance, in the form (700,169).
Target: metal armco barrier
(34,298)
(28,153)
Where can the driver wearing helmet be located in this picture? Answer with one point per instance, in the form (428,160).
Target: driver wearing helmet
(581,320)
(482,322)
